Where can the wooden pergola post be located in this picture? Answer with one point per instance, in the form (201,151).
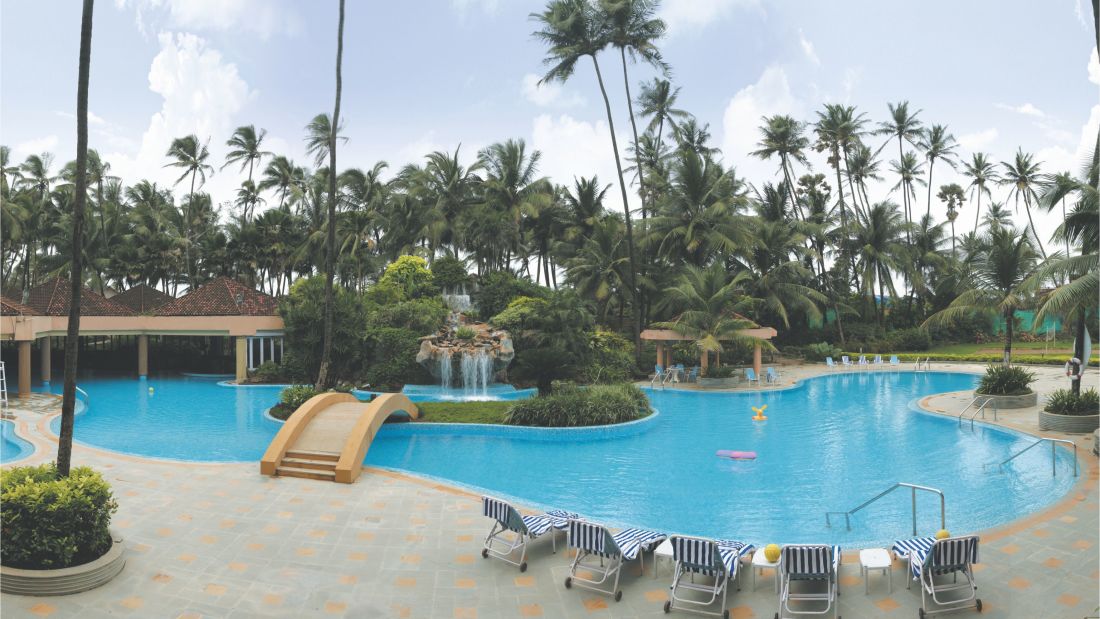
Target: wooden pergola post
(756,364)
(660,353)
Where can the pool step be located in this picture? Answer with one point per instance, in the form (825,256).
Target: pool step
(292,471)
(310,463)
(312,455)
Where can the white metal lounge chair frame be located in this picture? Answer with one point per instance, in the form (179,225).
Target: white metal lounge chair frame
(772,375)
(930,569)
(751,376)
(611,559)
(829,363)
(846,361)
(713,566)
(829,575)
(500,545)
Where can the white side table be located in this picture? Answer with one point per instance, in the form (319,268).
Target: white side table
(760,563)
(663,551)
(875,559)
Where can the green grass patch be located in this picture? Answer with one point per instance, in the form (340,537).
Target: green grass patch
(1061,350)
(464,412)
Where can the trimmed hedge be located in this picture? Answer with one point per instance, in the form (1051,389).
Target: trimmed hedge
(971,358)
(52,523)
(591,406)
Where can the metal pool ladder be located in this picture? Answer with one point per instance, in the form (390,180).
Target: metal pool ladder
(981,409)
(913,489)
(1053,454)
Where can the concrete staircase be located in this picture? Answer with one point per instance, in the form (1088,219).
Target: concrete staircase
(309,465)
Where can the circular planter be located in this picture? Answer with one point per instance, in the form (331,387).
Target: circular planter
(717,383)
(1070,424)
(66,580)
(1026,400)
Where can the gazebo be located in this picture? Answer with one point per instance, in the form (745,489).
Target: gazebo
(665,337)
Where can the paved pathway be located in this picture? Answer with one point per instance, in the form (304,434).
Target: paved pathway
(223,541)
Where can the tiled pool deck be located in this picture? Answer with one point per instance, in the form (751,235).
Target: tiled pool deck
(223,541)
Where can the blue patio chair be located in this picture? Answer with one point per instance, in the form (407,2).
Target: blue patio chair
(829,363)
(772,375)
(751,376)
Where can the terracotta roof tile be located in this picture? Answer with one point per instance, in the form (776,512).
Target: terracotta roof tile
(142,298)
(13,308)
(223,296)
(52,298)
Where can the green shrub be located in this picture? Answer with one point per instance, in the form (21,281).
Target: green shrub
(1063,402)
(1005,380)
(296,395)
(824,349)
(51,523)
(411,275)
(269,372)
(392,354)
(449,273)
(721,371)
(423,316)
(497,289)
(591,406)
(465,333)
(610,358)
(303,317)
(914,339)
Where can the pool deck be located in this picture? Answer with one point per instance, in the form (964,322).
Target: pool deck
(220,540)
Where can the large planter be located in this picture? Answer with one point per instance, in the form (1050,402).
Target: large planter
(66,580)
(717,383)
(1070,424)
(1026,400)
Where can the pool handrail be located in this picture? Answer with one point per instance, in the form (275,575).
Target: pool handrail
(1053,454)
(913,488)
(981,409)
(87,398)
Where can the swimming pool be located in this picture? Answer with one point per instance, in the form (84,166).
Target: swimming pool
(828,444)
(12,447)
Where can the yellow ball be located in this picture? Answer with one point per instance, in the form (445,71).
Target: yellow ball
(942,534)
(771,553)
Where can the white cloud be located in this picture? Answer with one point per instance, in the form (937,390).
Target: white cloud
(852,77)
(687,15)
(770,95)
(36,146)
(548,94)
(573,148)
(808,48)
(465,7)
(262,17)
(202,94)
(978,141)
(414,151)
(1027,109)
(1094,67)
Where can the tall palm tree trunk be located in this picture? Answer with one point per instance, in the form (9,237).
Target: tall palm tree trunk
(931,163)
(323,375)
(626,211)
(187,233)
(641,180)
(72,336)
(1010,316)
(1034,232)
(908,219)
(978,212)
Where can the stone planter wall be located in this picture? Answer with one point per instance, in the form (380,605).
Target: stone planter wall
(718,383)
(67,580)
(1011,401)
(1071,424)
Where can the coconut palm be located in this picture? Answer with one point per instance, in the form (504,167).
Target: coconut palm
(1057,188)
(657,101)
(598,268)
(8,171)
(876,241)
(245,148)
(1024,178)
(572,30)
(908,169)
(280,175)
(693,137)
(997,215)
(784,136)
(318,134)
(996,283)
(778,279)
(981,173)
(863,166)
(953,196)
(190,155)
(937,143)
(837,129)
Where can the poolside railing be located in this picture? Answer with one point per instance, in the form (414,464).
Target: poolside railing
(1053,454)
(913,489)
(981,411)
(87,399)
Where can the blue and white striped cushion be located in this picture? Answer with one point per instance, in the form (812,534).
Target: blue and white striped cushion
(732,550)
(537,525)
(586,536)
(560,518)
(496,509)
(694,553)
(633,541)
(947,555)
(810,560)
(903,547)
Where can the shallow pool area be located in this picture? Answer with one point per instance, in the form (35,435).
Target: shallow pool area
(12,447)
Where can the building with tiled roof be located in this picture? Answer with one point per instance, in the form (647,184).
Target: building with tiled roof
(223,296)
(14,308)
(52,298)
(143,299)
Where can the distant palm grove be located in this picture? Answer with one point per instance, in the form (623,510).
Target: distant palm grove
(813,252)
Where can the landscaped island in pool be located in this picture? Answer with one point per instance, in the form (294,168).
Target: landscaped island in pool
(827,445)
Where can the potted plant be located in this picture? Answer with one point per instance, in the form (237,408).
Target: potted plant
(1066,412)
(1008,385)
(57,537)
(719,377)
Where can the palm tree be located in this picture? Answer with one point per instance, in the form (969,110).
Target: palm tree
(995,283)
(657,101)
(908,169)
(906,128)
(876,238)
(937,143)
(6,171)
(244,147)
(980,171)
(837,130)
(318,134)
(280,175)
(323,379)
(863,165)
(997,215)
(572,30)
(1024,178)
(953,196)
(596,270)
(76,279)
(1058,188)
(784,136)
(190,155)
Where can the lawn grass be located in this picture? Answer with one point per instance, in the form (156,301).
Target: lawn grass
(1061,350)
(464,412)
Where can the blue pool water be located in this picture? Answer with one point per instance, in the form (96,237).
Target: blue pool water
(495,391)
(12,447)
(827,445)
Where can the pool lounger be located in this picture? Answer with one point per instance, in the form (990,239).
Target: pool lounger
(829,363)
(523,530)
(772,375)
(845,361)
(877,362)
(805,563)
(930,558)
(697,556)
(750,376)
(612,550)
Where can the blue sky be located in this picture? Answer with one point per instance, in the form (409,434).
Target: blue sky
(427,75)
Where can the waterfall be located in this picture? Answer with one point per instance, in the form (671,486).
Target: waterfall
(457,299)
(446,377)
(477,370)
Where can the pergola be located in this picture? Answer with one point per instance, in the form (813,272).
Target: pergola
(223,307)
(663,337)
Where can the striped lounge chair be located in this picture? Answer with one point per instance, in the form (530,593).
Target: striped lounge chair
(593,541)
(930,558)
(697,556)
(512,532)
(808,563)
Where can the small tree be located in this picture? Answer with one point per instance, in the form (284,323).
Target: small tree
(549,335)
